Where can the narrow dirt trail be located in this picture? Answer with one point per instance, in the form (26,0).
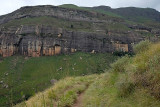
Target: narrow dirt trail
(79,99)
(78,102)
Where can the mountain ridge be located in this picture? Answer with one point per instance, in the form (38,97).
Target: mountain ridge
(50,30)
(122,11)
(125,11)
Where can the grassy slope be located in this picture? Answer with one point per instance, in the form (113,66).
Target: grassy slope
(63,94)
(51,21)
(29,76)
(61,23)
(132,82)
(90,9)
(139,15)
(81,25)
(84,26)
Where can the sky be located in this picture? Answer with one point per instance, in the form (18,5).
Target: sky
(7,6)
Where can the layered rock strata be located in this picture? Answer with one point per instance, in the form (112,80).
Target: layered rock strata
(41,40)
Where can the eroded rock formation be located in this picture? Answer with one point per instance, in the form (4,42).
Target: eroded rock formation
(47,41)
(71,30)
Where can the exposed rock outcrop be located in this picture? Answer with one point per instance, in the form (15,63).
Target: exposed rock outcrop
(47,41)
(140,28)
(102,33)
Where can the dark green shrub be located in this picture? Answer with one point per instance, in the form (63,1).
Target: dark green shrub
(147,64)
(121,53)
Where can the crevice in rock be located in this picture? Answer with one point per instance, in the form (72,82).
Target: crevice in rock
(17,45)
(41,51)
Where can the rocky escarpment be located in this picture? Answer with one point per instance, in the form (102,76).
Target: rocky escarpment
(47,41)
(69,30)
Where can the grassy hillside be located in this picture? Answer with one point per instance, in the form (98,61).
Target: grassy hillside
(131,82)
(90,26)
(141,15)
(51,21)
(63,94)
(72,6)
(22,77)
(132,13)
(62,23)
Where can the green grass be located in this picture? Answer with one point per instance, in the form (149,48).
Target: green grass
(136,85)
(46,20)
(27,76)
(132,82)
(108,13)
(63,94)
(61,23)
(54,22)
(118,27)
(105,93)
(71,6)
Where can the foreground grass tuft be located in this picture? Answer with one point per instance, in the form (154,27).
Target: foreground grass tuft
(63,94)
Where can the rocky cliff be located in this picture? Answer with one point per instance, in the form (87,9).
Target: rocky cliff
(47,40)
(57,12)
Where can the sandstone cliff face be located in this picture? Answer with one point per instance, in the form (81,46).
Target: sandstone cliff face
(46,40)
(38,41)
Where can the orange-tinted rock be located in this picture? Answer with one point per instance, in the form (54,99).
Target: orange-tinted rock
(57,50)
(73,50)
(121,47)
(6,51)
(41,40)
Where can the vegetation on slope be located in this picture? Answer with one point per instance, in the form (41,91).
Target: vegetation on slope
(22,77)
(68,25)
(145,17)
(72,6)
(87,26)
(141,15)
(51,21)
(132,13)
(132,82)
(63,94)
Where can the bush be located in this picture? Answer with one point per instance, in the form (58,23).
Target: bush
(67,99)
(121,53)
(147,69)
(124,86)
(142,46)
(119,65)
(143,70)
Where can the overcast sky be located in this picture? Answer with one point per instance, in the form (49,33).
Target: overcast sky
(7,6)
